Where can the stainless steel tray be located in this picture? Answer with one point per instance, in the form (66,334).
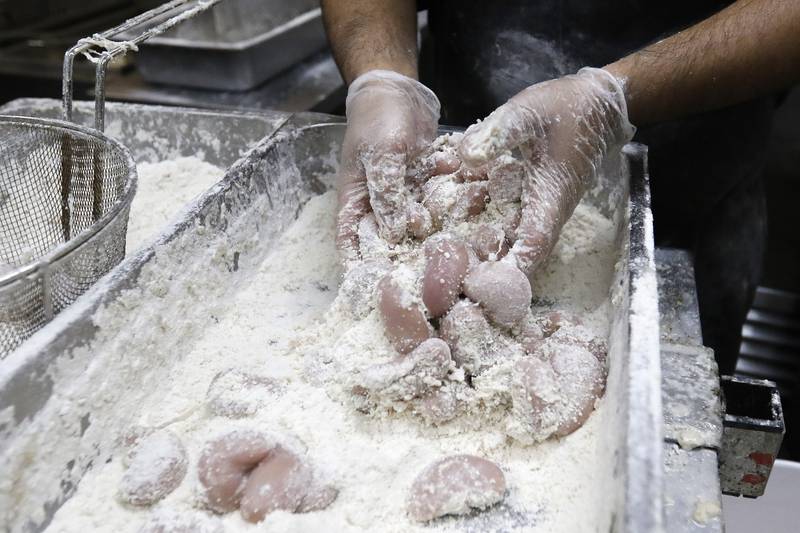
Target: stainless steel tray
(81,379)
(238,20)
(223,64)
(153,133)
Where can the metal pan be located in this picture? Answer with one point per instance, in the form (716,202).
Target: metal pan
(80,380)
(222,64)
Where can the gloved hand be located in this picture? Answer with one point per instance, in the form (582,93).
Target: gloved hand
(390,119)
(565,128)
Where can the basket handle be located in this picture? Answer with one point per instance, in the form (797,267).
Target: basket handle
(100,49)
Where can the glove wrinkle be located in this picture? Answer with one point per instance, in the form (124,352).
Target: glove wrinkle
(391,118)
(571,125)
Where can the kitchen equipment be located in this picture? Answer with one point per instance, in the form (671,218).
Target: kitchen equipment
(81,379)
(157,133)
(227,54)
(101,49)
(753,432)
(65,192)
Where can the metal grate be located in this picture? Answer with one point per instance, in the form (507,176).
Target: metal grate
(65,193)
(771,338)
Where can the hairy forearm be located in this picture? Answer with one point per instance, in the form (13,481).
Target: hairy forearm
(749,49)
(372,34)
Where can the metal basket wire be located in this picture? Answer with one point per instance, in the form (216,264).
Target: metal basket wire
(65,194)
(66,190)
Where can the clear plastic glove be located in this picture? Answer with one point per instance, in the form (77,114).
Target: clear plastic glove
(390,119)
(565,128)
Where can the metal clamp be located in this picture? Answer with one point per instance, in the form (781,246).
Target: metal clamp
(101,49)
(752,433)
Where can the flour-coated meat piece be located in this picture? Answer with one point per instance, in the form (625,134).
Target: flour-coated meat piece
(279,482)
(445,270)
(584,380)
(473,258)
(555,390)
(435,160)
(235,393)
(258,474)
(439,194)
(535,393)
(501,289)
(442,404)
(553,321)
(157,467)
(470,201)
(129,438)
(445,162)
(474,345)
(467,174)
(511,214)
(489,242)
(455,485)
(357,291)
(284,481)
(318,496)
(225,463)
(469,335)
(529,332)
(570,330)
(420,222)
(408,376)
(402,314)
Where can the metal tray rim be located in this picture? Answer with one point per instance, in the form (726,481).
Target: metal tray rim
(174,42)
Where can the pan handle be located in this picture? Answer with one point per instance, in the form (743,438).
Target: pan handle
(101,48)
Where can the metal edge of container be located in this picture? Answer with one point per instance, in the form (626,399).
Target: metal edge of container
(644,486)
(52,108)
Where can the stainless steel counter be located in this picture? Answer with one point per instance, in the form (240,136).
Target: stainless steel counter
(690,397)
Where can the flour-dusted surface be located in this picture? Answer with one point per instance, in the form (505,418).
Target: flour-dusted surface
(164,189)
(281,323)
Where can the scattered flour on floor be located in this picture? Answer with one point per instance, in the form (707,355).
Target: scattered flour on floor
(165,188)
(279,324)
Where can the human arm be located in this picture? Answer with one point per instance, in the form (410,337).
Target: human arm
(747,50)
(570,125)
(372,35)
(391,117)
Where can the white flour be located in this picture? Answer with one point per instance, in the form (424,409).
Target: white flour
(279,325)
(164,189)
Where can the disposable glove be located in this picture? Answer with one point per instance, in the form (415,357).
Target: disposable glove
(390,119)
(565,129)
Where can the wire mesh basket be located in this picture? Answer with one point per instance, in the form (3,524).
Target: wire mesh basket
(65,194)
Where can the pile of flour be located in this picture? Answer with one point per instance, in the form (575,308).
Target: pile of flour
(286,325)
(164,189)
